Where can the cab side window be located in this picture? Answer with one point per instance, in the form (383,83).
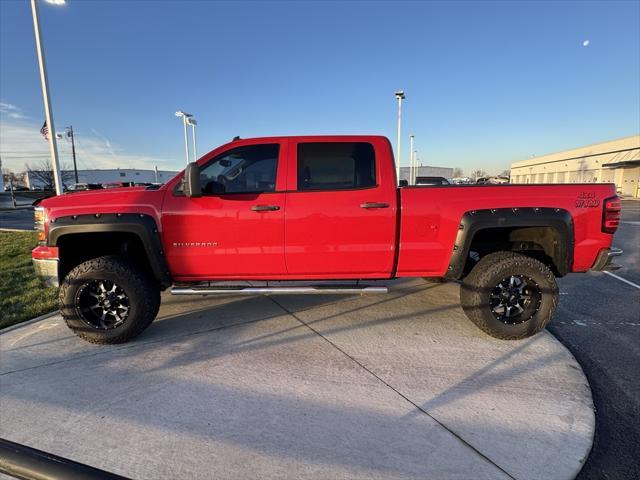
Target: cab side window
(336,166)
(249,169)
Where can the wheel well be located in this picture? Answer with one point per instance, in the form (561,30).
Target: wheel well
(76,248)
(544,243)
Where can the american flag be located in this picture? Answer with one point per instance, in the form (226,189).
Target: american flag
(45,130)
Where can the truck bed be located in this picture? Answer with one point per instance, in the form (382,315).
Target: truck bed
(430,219)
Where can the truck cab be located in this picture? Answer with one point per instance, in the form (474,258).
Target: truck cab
(336,197)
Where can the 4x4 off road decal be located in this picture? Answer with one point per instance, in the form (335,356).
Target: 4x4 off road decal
(587,200)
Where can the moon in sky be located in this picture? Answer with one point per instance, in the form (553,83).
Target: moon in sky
(586,43)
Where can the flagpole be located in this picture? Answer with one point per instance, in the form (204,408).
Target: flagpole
(53,147)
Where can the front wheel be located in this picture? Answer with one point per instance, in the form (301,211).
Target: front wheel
(108,300)
(509,296)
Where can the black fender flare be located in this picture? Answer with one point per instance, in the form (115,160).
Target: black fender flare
(141,225)
(474,221)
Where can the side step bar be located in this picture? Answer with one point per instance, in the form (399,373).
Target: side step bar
(308,290)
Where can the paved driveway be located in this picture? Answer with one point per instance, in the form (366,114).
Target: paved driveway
(395,386)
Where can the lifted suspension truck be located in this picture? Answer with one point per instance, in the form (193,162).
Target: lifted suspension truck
(308,209)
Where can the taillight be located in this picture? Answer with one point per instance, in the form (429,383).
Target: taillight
(611,214)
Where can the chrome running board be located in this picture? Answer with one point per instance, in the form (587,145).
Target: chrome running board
(308,290)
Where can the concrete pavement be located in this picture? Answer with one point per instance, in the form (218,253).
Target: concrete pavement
(393,386)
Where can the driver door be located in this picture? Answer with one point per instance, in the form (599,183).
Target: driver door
(236,229)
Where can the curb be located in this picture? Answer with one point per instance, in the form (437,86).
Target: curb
(28,322)
(16,209)
(593,405)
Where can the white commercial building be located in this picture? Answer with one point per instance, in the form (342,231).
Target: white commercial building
(105,176)
(616,161)
(427,171)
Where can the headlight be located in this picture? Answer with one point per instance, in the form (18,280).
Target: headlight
(40,221)
(39,217)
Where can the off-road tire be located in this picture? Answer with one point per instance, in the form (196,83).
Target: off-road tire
(476,289)
(142,291)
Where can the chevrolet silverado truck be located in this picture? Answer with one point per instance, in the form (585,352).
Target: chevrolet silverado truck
(286,214)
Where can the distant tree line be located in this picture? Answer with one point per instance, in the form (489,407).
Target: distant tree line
(43,172)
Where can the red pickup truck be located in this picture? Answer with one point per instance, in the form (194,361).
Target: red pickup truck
(305,209)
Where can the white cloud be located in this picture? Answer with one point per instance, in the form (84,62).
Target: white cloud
(11,111)
(22,143)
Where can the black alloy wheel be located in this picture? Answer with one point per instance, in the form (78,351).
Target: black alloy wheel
(102,304)
(515,299)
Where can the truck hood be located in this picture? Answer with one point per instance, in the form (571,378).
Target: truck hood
(114,200)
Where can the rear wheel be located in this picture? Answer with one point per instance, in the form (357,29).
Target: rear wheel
(108,300)
(509,295)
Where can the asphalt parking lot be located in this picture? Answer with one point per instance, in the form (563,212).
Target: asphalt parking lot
(20,218)
(599,321)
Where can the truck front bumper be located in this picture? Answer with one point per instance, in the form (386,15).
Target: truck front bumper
(45,262)
(605,260)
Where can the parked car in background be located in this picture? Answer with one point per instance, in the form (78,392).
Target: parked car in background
(461,180)
(117,184)
(492,180)
(16,188)
(432,181)
(499,180)
(81,187)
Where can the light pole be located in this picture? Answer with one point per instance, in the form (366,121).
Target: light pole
(415,166)
(69,132)
(185,116)
(400,96)
(411,138)
(192,121)
(53,147)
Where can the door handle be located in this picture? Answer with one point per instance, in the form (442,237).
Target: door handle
(374,205)
(265,208)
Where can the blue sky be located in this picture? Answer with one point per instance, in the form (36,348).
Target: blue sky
(487,83)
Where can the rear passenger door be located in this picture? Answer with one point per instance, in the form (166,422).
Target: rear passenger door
(341,213)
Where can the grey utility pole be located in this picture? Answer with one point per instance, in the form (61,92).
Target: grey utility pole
(411,139)
(53,147)
(185,116)
(70,135)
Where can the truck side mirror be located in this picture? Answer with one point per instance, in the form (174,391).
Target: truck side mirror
(192,187)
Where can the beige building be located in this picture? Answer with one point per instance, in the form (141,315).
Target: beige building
(617,161)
